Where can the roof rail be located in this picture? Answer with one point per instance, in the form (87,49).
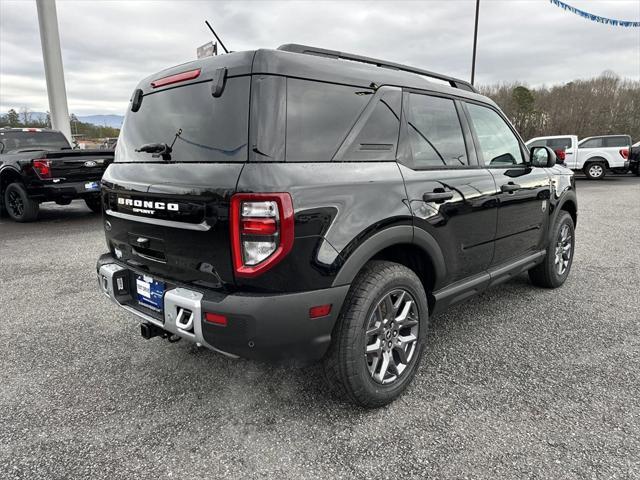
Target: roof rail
(322,52)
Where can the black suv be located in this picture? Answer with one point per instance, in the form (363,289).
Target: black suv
(306,204)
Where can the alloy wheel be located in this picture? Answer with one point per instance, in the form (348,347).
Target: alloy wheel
(595,171)
(392,336)
(15,203)
(563,250)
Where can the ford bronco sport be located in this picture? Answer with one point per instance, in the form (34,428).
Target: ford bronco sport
(306,204)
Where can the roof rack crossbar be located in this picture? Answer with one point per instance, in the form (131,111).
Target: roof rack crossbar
(322,52)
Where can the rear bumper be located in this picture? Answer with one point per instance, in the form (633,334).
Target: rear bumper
(46,192)
(262,327)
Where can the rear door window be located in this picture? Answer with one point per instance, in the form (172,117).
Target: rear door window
(319,117)
(556,143)
(205,129)
(435,132)
(591,143)
(498,144)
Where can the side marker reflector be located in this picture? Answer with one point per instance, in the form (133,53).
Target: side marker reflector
(216,319)
(320,311)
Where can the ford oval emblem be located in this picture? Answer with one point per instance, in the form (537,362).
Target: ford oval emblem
(90,163)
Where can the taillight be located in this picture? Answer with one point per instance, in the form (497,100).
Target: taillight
(261,231)
(624,152)
(560,154)
(42,167)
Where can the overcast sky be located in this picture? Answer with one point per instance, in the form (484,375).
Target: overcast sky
(107,46)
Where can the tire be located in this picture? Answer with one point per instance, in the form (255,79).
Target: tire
(94,204)
(19,206)
(595,170)
(555,268)
(348,370)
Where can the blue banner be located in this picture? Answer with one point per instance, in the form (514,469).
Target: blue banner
(595,18)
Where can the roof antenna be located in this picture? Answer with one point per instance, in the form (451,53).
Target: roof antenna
(216,35)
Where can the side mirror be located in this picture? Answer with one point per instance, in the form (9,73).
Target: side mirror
(542,157)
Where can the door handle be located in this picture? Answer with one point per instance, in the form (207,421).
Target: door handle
(437,196)
(510,187)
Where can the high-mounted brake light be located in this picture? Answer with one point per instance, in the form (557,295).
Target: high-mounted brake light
(42,167)
(624,152)
(178,77)
(261,231)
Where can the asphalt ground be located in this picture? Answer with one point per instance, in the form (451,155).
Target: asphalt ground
(519,382)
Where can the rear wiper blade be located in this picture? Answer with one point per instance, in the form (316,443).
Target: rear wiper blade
(157,149)
(160,149)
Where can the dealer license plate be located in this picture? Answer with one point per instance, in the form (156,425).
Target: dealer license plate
(150,292)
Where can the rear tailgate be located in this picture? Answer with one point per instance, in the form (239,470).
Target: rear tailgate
(79,165)
(172,220)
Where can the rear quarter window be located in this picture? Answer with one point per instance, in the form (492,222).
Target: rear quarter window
(319,117)
(616,142)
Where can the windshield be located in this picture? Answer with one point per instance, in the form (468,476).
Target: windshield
(17,141)
(205,128)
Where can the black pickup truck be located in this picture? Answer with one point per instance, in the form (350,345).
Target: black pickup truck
(38,165)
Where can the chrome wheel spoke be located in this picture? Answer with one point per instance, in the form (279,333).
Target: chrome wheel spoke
(383,368)
(406,339)
(374,347)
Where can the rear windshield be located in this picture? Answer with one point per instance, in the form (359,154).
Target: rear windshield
(205,128)
(559,143)
(15,142)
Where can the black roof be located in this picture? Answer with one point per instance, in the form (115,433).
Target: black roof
(322,65)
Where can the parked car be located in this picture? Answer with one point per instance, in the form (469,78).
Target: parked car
(634,159)
(304,204)
(39,165)
(592,155)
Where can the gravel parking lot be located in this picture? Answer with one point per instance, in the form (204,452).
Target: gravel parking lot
(517,383)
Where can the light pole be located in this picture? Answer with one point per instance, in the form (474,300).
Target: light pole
(52,56)
(475,44)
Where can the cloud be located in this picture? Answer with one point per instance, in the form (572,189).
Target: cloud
(108,46)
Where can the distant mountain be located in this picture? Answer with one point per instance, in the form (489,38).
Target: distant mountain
(114,121)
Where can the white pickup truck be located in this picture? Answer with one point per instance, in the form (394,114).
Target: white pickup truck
(591,155)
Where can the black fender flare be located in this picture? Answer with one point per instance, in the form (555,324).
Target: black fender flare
(386,238)
(9,170)
(567,196)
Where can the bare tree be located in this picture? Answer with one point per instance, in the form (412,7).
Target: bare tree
(599,106)
(25,115)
